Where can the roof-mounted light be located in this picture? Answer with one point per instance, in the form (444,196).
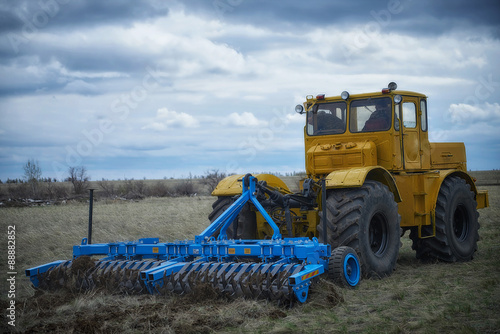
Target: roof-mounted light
(344,95)
(320,97)
(392,86)
(299,109)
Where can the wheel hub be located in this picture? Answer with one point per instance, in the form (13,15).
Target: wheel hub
(348,270)
(378,234)
(460,223)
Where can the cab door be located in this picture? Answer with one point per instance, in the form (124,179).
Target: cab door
(410,133)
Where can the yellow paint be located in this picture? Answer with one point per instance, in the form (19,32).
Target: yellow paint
(402,158)
(231,185)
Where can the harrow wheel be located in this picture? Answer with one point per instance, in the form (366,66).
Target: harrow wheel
(344,268)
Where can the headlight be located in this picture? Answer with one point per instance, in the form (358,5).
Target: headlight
(392,86)
(397,99)
(299,109)
(344,95)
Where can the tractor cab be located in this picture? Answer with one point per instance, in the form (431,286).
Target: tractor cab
(365,115)
(386,128)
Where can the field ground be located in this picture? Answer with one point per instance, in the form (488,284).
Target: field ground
(418,298)
(487,178)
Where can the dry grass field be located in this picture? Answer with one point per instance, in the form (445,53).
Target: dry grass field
(418,298)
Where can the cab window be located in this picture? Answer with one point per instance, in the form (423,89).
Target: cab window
(368,115)
(409,115)
(397,116)
(326,119)
(423,117)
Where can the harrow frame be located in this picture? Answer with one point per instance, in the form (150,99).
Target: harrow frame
(298,260)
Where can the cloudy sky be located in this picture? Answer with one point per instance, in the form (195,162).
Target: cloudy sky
(154,89)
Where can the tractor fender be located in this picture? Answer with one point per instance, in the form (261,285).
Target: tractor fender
(231,185)
(443,174)
(355,177)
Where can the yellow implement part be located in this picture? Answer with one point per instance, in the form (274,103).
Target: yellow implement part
(231,185)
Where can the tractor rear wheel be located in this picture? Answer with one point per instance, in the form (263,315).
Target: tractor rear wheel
(456,225)
(247,222)
(367,220)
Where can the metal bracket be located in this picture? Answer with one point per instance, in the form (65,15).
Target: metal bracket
(227,217)
(433,224)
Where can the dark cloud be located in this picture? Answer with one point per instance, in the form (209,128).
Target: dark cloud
(406,15)
(22,22)
(481,12)
(105,59)
(51,14)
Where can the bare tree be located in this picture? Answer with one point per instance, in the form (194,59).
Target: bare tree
(108,187)
(32,175)
(79,178)
(212,178)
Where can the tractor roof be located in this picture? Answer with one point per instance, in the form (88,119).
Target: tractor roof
(322,97)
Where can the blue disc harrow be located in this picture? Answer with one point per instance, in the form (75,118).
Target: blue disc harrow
(277,269)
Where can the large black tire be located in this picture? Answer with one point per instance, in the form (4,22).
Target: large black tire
(367,220)
(456,225)
(247,222)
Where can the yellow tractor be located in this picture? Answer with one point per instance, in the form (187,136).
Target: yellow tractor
(372,175)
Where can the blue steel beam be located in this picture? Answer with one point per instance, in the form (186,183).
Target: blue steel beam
(33,273)
(227,217)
